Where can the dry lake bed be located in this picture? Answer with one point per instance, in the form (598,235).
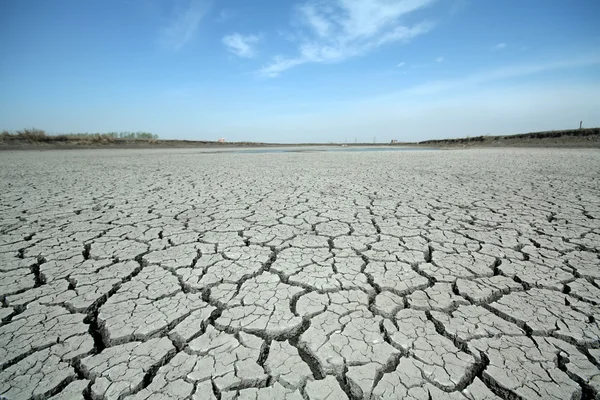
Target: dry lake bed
(183,274)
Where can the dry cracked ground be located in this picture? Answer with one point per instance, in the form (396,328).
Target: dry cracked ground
(189,275)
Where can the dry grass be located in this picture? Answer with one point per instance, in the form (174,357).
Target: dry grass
(523,136)
(34,135)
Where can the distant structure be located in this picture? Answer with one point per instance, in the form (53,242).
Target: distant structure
(394,141)
(222,140)
(580,124)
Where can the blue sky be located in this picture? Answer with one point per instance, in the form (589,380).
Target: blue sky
(300,71)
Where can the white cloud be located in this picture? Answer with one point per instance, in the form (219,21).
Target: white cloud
(225,15)
(241,45)
(499,74)
(440,59)
(500,46)
(332,31)
(183,24)
(401,64)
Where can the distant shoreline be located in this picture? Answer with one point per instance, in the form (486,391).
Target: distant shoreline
(575,138)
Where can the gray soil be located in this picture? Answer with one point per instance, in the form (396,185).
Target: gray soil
(181,274)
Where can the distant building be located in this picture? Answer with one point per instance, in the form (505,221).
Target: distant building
(394,141)
(222,140)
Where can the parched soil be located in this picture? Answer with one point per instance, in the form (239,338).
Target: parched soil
(179,274)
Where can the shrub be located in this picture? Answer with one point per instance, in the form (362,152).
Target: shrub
(36,135)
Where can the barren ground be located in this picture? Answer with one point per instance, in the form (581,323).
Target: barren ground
(178,274)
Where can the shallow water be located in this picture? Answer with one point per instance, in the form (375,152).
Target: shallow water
(327,149)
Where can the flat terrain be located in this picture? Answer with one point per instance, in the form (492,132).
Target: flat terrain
(182,274)
(573,138)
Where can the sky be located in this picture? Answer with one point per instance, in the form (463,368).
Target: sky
(300,71)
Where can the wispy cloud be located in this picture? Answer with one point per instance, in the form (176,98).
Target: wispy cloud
(440,59)
(499,46)
(332,31)
(241,45)
(401,64)
(500,74)
(183,24)
(225,15)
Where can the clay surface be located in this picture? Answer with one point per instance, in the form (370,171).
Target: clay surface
(183,274)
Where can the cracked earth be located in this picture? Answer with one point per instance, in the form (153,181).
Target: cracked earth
(188,275)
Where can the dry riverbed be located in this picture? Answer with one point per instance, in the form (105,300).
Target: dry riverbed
(183,274)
